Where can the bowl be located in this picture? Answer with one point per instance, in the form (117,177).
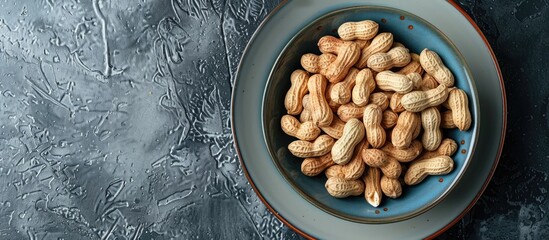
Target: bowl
(416,34)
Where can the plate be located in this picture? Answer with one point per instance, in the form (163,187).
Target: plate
(287,204)
(416,35)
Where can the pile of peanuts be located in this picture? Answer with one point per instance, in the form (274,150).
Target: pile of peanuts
(369,114)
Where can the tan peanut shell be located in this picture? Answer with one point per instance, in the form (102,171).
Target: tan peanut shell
(347,55)
(395,103)
(314,63)
(392,168)
(397,44)
(379,99)
(417,80)
(355,168)
(373,192)
(417,101)
(305,149)
(432,135)
(306,114)
(389,119)
(335,129)
(459,104)
(372,123)
(405,154)
(428,82)
(330,44)
(331,102)
(307,131)
(316,165)
(431,62)
(391,187)
(298,89)
(447,148)
(342,91)
(343,148)
(363,87)
(381,43)
(447,120)
(390,81)
(362,43)
(341,188)
(374,157)
(363,30)
(396,57)
(349,111)
(405,129)
(413,66)
(418,170)
(335,171)
(321,111)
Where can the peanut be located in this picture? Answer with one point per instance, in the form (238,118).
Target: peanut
(418,170)
(322,113)
(305,149)
(347,53)
(314,166)
(390,81)
(396,57)
(391,187)
(341,92)
(330,44)
(417,101)
(447,148)
(413,66)
(431,62)
(395,103)
(381,43)
(341,188)
(331,102)
(447,120)
(428,82)
(352,170)
(364,85)
(432,135)
(373,192)
(307,131)
(397,44)
(379,99)
(343,149)
(417,80)
(459,104)
(362,43)
(349,111)
(377,158)
(374,157)
(306,113)
(335,129)
(292,101)
(363,30)
(314,63)
(403,155)
(404,131)
(372,123)
(389,119)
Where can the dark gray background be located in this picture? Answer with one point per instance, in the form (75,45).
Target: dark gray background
(114,121)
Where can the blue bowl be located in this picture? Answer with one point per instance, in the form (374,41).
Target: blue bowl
(416,34)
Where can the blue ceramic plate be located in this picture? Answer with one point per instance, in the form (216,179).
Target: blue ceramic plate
(416,34)
(289,205)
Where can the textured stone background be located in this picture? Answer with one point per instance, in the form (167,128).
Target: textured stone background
(114,121)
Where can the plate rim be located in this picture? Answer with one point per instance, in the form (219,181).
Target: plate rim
(464,211)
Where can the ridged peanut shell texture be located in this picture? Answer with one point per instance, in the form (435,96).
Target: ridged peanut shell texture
(403,132)
(307,131)
(316,165)
(431,62)
(419,170)
(305,149)
(343,149)
(341,188)
(298,89)
(321,111)
(459,104)
(363,30)
(372,122)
